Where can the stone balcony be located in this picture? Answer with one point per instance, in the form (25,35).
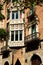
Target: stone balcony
(16,21)
(32,37)
(15,44)
(32,41)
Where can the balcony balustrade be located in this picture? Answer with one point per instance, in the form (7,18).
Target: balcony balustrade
(32,41)
(31,37)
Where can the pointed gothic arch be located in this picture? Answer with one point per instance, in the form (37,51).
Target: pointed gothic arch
(36,60)
(6,63)
(17,62)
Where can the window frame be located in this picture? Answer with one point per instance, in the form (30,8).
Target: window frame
(14,35)
(20,34)
(17,14)
(33,31)
(12,14)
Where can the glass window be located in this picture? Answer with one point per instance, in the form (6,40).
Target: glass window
(17,15)
(12,14)
(12,35)
(33,28)
(20,35)
(33,31)
(16,35)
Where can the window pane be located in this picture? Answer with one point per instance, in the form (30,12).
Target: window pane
(16,35)
(33,31)
(12,35)
(33,28)
(12,14)
(20,34)
(16,15)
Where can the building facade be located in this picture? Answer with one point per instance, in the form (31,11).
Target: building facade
(15,24)
(33,33)
(16,40)
(25,43)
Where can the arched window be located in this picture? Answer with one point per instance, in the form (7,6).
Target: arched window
(17,62)
(35,60)
(6,63)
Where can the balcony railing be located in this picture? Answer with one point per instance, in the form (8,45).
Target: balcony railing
(32,36)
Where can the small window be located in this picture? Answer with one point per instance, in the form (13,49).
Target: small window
(17,15)
(16,35)
(6,63)
(12,35)
(33,31)
(33,28)
(20,34)
(12,14)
